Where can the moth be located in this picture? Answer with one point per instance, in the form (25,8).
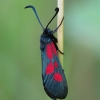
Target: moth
(54,80)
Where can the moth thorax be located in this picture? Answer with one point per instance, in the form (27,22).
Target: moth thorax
(49,31)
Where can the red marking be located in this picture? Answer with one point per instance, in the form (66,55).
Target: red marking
(49,68)
(54,49)
(55,64)
(57,77)
(49,51)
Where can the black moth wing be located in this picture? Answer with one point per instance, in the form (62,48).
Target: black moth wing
(53,88)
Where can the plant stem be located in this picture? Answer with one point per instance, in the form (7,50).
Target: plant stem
(60,30)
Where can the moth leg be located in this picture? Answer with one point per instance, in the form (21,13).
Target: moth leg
(60,51)
(58,48)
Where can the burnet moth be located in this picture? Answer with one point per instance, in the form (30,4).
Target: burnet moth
(54,80)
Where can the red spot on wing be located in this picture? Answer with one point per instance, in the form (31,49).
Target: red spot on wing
(49,68)
(49,51)
(54,49)
(55,64)
(57,77)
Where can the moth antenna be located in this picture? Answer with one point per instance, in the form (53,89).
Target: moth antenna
(58,26)
(57,10)
(57,48)
(30,6)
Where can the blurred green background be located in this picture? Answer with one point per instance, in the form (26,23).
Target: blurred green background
(20,56)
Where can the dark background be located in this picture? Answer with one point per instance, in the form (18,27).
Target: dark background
(20,56)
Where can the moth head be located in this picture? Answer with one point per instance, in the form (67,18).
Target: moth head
(47,31)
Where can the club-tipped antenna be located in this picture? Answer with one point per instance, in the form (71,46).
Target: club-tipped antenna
(30,6)
(57,10)
(58,26)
